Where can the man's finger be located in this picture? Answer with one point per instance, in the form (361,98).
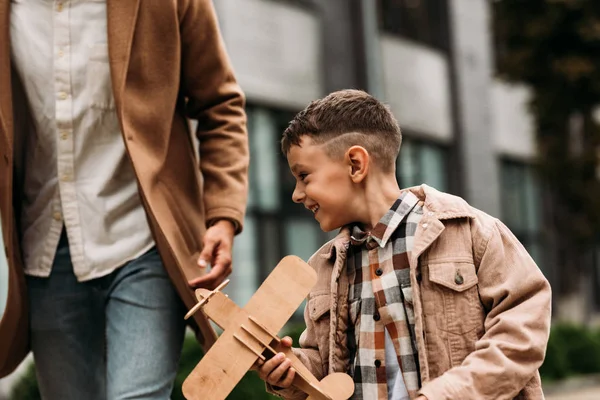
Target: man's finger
(217,274)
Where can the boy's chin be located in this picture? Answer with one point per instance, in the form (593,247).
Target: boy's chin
(329,227)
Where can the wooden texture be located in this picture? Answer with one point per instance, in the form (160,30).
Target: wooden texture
(251,333)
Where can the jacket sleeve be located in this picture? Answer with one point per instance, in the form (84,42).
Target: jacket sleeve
(215,100)
(309,355)
(518,299)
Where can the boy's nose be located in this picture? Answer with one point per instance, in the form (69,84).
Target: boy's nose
(298,195)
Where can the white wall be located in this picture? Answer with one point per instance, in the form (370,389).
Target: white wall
(275,50)
(513,125)
(416,85)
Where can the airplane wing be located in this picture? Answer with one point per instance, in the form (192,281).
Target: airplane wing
(223,365)
(281,293)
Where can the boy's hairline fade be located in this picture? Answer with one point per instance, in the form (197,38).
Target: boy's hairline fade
(344,119)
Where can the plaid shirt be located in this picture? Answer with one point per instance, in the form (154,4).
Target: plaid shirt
(380,299)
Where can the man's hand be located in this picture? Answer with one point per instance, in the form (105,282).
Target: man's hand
(277,371)
(218,242)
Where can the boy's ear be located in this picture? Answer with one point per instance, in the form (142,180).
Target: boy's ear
(358,160)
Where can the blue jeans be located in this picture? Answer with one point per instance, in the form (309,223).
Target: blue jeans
(115,337)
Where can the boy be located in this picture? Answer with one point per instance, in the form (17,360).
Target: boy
(420,295)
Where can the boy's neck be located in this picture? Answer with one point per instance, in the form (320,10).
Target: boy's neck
(381,192)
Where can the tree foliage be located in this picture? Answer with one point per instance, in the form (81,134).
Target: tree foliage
(554,47)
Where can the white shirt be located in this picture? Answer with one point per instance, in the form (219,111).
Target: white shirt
(77,171)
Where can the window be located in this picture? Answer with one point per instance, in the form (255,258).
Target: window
(423,162)
(521,206)
(424,21)
(274,226)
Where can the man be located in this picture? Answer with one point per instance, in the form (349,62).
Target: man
(100,182)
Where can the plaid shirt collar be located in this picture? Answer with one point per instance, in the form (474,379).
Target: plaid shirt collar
(386,226)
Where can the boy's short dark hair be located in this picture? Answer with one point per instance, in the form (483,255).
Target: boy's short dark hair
(344,119)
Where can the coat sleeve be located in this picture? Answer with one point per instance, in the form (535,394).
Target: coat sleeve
(216,101)
(517,325)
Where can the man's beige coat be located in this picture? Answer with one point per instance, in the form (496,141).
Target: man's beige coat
(168,64)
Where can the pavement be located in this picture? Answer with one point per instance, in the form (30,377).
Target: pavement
(581,394)
(575,388)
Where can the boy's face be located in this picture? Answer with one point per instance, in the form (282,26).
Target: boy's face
(323,184)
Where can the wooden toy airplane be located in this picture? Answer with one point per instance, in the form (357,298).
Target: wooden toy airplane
(251,334)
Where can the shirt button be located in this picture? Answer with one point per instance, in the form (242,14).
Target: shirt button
(377,363)
(57,216)
(63,95)
(61,53)
(376,316)
(59,7)
(66,178)
(378,272)
(430,213)
(64,135)
(425,225)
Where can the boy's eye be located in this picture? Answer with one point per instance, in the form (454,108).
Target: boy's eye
(302,176)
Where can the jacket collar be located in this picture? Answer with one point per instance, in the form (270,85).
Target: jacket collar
(121,21)
(443,206)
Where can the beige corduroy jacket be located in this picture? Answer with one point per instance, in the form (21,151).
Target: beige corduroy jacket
(482,337)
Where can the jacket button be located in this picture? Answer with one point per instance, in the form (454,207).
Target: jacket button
(377,363)
(378,272)
(376,316)
(458,279)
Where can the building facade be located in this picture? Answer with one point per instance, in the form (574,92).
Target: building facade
(464,131)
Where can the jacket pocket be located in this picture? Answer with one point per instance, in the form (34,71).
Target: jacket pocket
(98,79)
(454,285)
(318,306)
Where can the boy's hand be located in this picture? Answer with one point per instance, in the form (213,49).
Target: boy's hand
(277,371)
(218,242)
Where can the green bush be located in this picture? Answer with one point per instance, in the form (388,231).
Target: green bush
(27,387)
(572,350)
(556,364)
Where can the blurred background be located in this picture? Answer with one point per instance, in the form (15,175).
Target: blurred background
(498,103)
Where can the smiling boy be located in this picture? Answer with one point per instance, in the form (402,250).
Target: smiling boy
(420,295)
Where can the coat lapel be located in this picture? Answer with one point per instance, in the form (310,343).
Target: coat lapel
(121,18)
(6,91)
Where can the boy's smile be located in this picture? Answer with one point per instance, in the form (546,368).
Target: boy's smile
(323,184)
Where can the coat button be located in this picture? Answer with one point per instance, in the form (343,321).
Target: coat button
(378,272)
(377,363)
(376,316)
(458,278)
